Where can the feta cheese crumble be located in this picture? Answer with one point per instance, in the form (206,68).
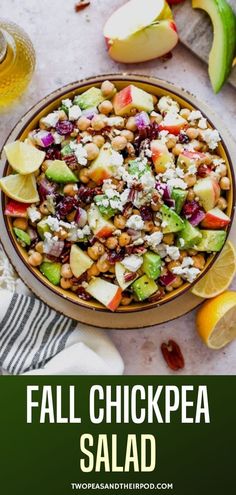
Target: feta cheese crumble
(211,137)
(186,270)
(135,222)
(80,153)
(153,240)
(74,112)
(132,262)
(34,214)
(173,252)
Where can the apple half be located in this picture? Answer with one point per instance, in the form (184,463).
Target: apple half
(140,31)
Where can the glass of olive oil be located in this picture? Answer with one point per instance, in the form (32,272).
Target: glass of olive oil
(17,62)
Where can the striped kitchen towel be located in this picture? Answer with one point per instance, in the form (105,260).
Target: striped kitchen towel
(34,339)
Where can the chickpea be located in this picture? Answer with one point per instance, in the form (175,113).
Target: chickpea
(169,288)
(171,142)
(20,223)
(105,107)
(124,239)
(84,175)
(62,115)
(173,264)
(126,300)
(177,282)
(92,151)
(112,269)
(83,123)
(192,133)
(43,208)
(98,140)
(70,189)
(168,239)
(128,135)
(119,143)
(107,88)
(103,265)
(222,203)
(66,283)
(93,271)
(185,112)
(191,195)
(131,124)
(177,149)
(221,170)
(130,150)
(66,271)
(111,242)
(39,247)
(198,261)
(190,179)
(119,222)
(183,254)
(35,259)
(192,252)
(98,122)
(225,183)
(96,251)
(62,234)
(148,226)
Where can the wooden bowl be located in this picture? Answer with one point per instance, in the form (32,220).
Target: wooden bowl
(51,102)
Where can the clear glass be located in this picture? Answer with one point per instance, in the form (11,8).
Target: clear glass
(17,62)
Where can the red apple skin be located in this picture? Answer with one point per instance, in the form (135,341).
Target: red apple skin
(104,232)
(216,188)
(174,2)
(123,98)
(172,23)
(16,209)
(98,175)
(172,129)
(158,151)
(211,221)
(114,303)
(193,155)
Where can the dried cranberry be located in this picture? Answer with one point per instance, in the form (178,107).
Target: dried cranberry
(146,213)
(114,256)
(65,255)
(149,132)
(86,194)
(66,206)
(190,208)
(82,294)
(183,138)
(64,127)
(53,153)
(203,170)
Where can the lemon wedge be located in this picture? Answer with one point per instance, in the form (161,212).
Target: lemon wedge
(24,158)
(21,188)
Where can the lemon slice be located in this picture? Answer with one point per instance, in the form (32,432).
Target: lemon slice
(21,188)
(219,276)
(216,320)
(23,157)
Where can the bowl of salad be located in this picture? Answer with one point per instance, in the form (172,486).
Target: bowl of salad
(117,193)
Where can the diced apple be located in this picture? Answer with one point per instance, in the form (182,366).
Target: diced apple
(208,191)
(99,225)
(101,168)
(187,158)
(105,292)
(215,219)
(79,261)
(132,97)
(120,272)
(173,123)
(160,156)
(16,209)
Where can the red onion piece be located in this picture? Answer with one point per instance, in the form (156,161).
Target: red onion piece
(197,218)
(57,249)
(46,188)
(142,120)
(89,112)
(44,138)
(81,217)
(167,279)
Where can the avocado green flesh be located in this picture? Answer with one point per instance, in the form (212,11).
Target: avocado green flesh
(144,287)
(179,197)
(134,168)
(42,228)
(22,236)
(212,240)
(106,211)
(190,235)
(224,39)
(151,265)
(60,173)
(52,271)
(172,221)
(90,98)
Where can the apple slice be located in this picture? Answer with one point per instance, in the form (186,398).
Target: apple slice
(16,209)
(160,156)
(101,168)
(79,261)
(105,292)
(132,97)
(215,219)
(120,272)
(208,191)
(187,158)
(98,224)
(173,123)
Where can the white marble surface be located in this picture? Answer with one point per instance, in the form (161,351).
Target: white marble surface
(69,47)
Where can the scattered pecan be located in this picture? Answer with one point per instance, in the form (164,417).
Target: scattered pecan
(128,277)
(82,4)
(172,355)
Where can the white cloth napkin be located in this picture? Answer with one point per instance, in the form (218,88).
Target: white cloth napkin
(36,340)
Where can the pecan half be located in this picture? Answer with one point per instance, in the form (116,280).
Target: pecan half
(172,355)
(81,5)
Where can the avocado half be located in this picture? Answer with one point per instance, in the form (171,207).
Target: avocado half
(224,39)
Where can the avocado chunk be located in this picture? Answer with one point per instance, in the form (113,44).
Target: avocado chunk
(22,236)
(66,150)
(179,196)
(144,287)
(52,271)
(172,221)
(224,41)
(42,228)
(106,211)
(212,240)
(58,171)
(151,264)
(138,168)
(90,98)
(189,236)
